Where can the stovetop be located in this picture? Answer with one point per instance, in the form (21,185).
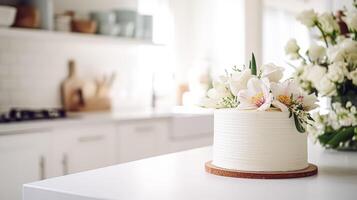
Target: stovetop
(20,115)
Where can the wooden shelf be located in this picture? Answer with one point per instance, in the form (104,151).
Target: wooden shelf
(39,34)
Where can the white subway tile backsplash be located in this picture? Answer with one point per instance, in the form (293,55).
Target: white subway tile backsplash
(31,71)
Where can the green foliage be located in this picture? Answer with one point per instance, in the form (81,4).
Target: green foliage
(299,124)
(253,64)
(333,138)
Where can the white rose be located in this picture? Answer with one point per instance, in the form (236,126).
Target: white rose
(272,72)
(353,77)
(316,73)
(345,50)
(351,20)
(292,49)
(326,87)
(239,80)
(349,47)
(335,53)
(307,17)
(304,71)
(346,119)
(336,72)
(328,23)
(333,120)
(316,52)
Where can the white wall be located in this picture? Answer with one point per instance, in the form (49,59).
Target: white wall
(208,31)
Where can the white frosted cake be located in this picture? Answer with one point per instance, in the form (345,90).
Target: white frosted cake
(258,141)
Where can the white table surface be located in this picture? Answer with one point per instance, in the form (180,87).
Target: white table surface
(181,176)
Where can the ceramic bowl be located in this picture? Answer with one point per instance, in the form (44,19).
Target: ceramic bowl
(7,15)
(103,17)
(84,26)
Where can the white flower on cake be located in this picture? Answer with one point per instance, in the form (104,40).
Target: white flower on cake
(284,94)
(308,18)
(209,103)
(308,101)
(316,52)
(216,94)
(218,91)
(288,93)
(239,80)
(256,96)
(260,89)
(272,72)
(292,49)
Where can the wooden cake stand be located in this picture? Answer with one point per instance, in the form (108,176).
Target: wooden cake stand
(311,170)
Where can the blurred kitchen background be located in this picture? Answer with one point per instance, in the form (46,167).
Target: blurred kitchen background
(91,83)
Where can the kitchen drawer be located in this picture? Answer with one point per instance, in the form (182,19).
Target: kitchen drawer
(83,148)
(142,139)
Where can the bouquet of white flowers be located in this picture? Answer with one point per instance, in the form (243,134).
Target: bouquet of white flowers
(260,89)
(329,68)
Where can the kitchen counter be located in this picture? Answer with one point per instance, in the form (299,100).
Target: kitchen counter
(181,176)
(100,117)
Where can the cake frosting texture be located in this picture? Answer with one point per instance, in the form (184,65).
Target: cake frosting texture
(258,141)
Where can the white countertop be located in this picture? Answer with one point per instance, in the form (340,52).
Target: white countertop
(101,117)
(181,176)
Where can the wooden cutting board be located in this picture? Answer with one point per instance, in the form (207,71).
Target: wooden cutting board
(71,89)
(82,96)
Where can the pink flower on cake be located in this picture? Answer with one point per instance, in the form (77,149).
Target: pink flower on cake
(308,101)
(288,93)
(283,93)
(256,96)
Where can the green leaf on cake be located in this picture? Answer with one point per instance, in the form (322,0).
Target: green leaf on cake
(253,65)
(298,124)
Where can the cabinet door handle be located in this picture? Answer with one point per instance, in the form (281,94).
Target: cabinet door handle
(42,165)
(91,138)
(65,164)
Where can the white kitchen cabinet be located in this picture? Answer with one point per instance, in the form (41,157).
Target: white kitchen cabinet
(190,131)
(142,139)
(23,158)
(84,147)
(182,144)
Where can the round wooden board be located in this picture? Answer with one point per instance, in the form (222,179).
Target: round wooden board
(311,170)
